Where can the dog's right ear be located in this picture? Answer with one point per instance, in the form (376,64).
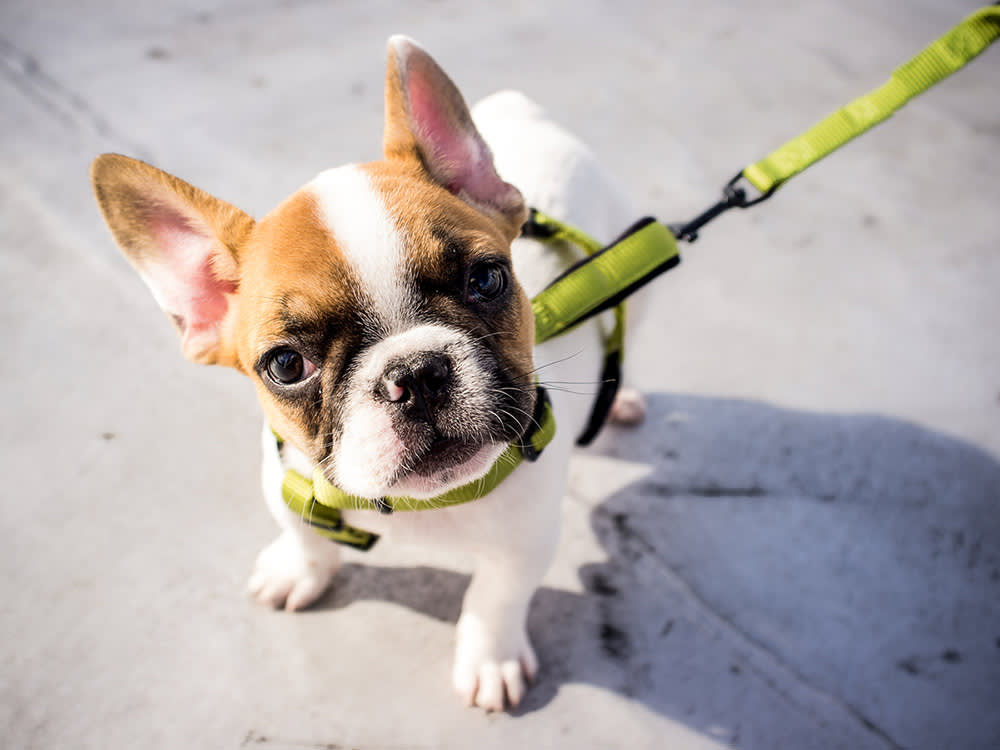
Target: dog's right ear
(183,242)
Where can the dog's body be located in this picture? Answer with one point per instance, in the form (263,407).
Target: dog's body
(389,341)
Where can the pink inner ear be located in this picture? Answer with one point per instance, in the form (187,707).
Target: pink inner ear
(182,276)
(455,152)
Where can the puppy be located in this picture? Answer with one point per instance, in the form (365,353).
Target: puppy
(383,314)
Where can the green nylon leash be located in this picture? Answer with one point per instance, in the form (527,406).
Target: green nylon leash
(946,55)
(936,62)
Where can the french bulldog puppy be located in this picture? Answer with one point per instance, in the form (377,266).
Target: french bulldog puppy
(383,314)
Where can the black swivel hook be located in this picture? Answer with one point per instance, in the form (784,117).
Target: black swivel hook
(734,195)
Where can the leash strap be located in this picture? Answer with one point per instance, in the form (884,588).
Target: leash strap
(936,62)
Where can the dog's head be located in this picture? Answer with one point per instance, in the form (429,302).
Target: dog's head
(375,309)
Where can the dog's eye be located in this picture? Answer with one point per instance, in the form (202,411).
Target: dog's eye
(487,281)
(286,366)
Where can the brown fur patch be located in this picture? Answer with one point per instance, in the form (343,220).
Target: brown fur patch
(291,269)
(295,290)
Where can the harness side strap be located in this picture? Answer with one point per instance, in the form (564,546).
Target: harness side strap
(939,60)
(605,278)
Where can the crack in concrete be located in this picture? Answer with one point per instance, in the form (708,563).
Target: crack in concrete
(765,663)
(64,105)
(710,489)
(254,738)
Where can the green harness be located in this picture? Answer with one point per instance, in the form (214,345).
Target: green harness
(607,275)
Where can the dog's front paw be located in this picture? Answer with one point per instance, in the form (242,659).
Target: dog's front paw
(291,574)
(489,670)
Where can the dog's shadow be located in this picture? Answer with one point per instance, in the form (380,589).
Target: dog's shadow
(847,557)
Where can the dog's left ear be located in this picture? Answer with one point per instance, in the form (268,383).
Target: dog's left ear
(426,118)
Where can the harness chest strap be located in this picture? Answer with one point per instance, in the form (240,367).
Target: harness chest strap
(319,503)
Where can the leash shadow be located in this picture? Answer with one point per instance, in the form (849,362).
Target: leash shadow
(844,566)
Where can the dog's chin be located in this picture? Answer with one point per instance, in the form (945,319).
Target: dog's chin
(447,465)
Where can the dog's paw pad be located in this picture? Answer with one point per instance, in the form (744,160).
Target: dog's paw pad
(628,408)
(490,677)
(289,575)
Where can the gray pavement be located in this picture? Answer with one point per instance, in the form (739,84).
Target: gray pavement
(799,549)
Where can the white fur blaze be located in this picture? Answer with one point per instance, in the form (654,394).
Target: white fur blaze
(370,451)
(367,236)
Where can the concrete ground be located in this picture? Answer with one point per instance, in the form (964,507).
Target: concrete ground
(799,549)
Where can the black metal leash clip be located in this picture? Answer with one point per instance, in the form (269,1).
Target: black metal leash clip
(733,196)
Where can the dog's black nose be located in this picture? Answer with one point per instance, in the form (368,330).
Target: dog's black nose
(418,385)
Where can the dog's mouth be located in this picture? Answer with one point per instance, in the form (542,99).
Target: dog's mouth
(442,455)
(446,463)
(429,434)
